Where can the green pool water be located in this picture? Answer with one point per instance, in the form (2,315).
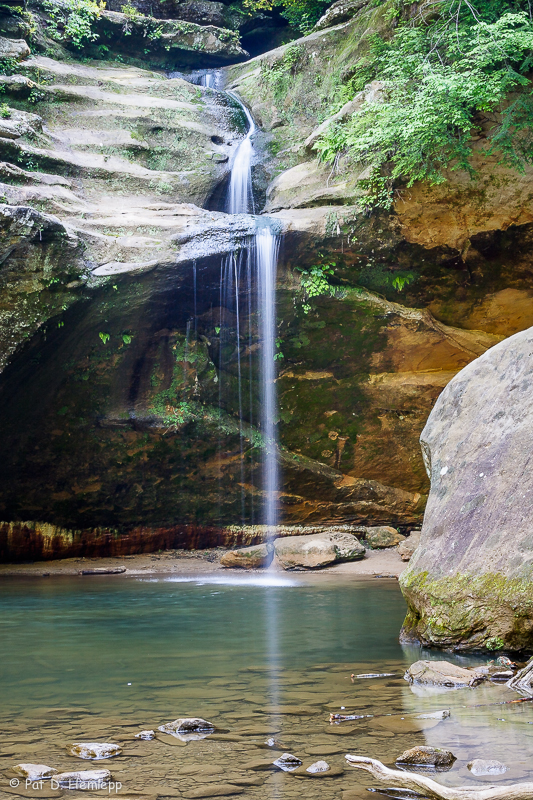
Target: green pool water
(100,659)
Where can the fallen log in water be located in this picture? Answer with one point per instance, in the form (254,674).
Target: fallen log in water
(523,680)
(434,790)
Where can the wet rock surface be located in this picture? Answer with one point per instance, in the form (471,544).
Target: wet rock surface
(427,757)
(94,750)
(34,772)
(188,728)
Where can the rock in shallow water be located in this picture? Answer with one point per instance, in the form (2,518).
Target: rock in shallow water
(481,766)
(442,673)
(318,766)
(317,550)
(146,736)
(188,728)
(255,557)
(287,762)
(427,757)
(94,750)
(35,772)
(92,779)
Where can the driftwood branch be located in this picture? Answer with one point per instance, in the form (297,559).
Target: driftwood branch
(523,679)
(434,790)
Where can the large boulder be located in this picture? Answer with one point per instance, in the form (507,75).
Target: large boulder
(383,536)
(254,557)
(407,547)
(16,49)
(468,584)
(319,550)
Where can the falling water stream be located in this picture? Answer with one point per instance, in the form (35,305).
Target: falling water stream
(260,266)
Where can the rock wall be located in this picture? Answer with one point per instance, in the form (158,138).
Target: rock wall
(108,171)
(468,583)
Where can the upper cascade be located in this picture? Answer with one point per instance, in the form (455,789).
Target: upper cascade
(240,198)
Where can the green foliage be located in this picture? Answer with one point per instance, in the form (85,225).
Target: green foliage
(5,111)
(105,337)
(314,283)
(279,354)
(278,75)
(178,415)
(301,14)
(495,643)
(72,21)
(131,12)
(9,66)
(402,279)
(440,80)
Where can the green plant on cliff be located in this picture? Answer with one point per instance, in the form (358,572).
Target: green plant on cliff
(301,14)
(314,283)
(72,21)
(444,81)
(278,75)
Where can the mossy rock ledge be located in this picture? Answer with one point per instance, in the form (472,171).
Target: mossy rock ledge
(469,583)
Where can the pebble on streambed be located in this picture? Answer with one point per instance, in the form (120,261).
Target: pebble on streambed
(94,751)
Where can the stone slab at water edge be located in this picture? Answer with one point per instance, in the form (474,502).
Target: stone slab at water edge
(468,584)
(318,550)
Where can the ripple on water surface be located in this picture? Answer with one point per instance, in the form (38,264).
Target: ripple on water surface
(262,657)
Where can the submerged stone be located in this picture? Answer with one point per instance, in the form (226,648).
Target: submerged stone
(482,766)
(94,750)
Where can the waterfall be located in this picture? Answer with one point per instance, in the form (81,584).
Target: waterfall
(264,249)
(266,254)
(240,198)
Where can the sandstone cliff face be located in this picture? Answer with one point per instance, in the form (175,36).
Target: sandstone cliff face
(109,254)
(468,583)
